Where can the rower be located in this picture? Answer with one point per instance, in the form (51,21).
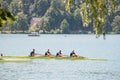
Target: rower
(48,53)
(59,54)
(1,55)
(73,54)
(32,53)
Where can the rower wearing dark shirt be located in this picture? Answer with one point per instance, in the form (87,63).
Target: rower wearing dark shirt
(59,54)
(73,54)
(32,53)
(48,53)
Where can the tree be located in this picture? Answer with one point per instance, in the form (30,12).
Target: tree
(77,19)
(116,24)
(54,18)
(35,24)
(45,24)
(95,11)
(64,26)
(15,7)
(22,22)
(5,16)
(39,7)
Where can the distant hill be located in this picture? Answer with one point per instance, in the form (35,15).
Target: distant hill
(53,17)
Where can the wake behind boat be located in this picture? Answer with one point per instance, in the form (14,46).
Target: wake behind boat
(15,61)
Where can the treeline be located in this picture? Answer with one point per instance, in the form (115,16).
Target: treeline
(52,17)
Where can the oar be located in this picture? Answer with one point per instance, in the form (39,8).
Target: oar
(80,56)
(66,56)
(38,54)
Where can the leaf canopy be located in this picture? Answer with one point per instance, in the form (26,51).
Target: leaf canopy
(94,11)
(5,16)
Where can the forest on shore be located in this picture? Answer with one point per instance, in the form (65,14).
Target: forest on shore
(50,16)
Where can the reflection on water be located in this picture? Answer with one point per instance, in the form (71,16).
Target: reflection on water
(41,69)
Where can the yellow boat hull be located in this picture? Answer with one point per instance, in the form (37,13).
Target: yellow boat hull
(52,57)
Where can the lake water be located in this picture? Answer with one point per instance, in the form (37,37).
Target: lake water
(41,69)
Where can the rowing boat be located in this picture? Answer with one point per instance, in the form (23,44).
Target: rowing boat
(53,57)
(16,61)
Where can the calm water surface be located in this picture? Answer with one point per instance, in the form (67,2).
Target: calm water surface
(40,69)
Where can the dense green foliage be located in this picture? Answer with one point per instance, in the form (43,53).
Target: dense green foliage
(116,24)
(54,18)
(5,16)
(94,11)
